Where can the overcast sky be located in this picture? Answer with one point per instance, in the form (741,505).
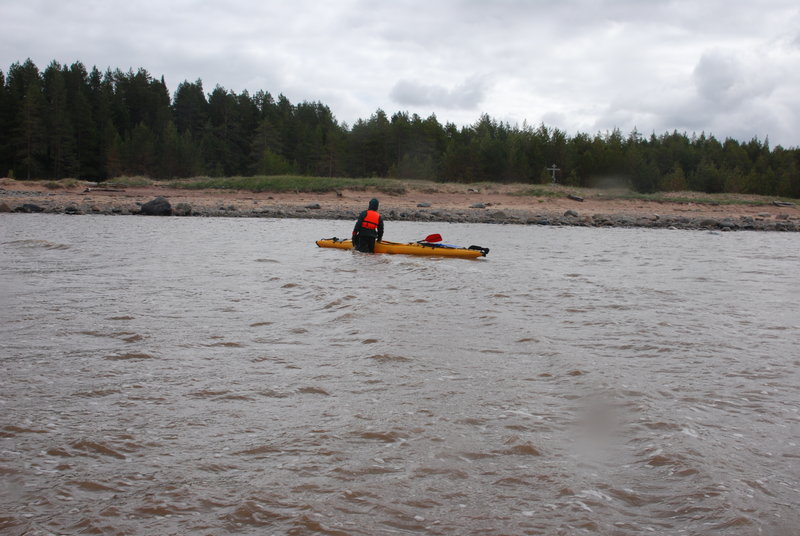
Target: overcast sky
(731,68)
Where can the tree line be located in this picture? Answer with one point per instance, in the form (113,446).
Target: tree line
(67,121)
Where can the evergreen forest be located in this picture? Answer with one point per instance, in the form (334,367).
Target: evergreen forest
(68,121)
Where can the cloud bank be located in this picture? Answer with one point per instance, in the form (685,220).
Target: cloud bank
(466,96)
(714,66)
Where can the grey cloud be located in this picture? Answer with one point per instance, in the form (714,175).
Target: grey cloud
(715,76)
(661,64)
(725,82)
(729,94)
(467,95)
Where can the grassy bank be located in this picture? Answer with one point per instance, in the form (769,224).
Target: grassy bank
(290,183)
(301,184)
(545,191)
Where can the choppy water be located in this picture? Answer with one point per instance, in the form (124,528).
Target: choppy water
(216,376)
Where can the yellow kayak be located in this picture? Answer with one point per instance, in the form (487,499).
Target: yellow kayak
(411,248)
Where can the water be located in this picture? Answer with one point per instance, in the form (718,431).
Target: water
(217,376)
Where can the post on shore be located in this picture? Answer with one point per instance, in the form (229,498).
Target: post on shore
(552,169)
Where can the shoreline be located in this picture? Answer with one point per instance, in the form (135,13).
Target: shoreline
(459,205)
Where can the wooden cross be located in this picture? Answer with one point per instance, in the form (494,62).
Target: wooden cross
(552,169)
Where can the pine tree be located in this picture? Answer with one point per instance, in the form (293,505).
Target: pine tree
(5,126)
(25,146)
(31,133)
(220,135)
(139,151)
(177,154)
(266,137)
(114,155)
(190,159)
(61,138)
(81,118)
(168,153)
(190,108)
(103,133)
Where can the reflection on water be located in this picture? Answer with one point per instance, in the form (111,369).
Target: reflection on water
(227,376)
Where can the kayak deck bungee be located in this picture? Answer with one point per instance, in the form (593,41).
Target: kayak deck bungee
(411,248)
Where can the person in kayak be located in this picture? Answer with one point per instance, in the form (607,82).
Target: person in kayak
(368,229)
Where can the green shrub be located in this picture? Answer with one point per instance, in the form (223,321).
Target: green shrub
(391,188)
(63,183)
(130,182)
(288,183)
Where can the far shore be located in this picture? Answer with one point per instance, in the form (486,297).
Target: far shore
(435,202)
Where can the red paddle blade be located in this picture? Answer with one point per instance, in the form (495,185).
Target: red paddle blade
(436,237)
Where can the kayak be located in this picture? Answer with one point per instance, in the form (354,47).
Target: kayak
(412,248)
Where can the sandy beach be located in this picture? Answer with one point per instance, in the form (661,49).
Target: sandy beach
(448,203)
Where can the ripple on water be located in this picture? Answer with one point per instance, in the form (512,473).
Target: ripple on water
(44,244)
(389,358)
(261,512)
(89,447)
(130,356)
(313,390)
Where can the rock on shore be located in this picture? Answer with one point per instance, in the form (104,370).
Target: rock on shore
(521,217)
(157,207)
(48,203)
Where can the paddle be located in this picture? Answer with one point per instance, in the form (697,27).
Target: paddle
(436,237)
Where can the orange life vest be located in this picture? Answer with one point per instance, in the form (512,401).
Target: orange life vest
(371,220)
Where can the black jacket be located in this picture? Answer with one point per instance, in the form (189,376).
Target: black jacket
(377,233)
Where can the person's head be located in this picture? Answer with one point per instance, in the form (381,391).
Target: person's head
(373,204)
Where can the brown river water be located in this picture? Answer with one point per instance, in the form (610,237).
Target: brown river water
(226,376)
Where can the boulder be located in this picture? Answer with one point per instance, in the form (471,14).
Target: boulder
(157,207)
(182,209)
(423,205)
(477,205)
(538,220)
(72,209)
(28,208)
(4,208)
(313,206)
(570,214)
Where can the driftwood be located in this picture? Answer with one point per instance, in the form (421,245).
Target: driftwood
(104,190)
(782,204)
(575,197)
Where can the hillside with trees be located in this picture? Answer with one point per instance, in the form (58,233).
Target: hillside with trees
(68,121)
